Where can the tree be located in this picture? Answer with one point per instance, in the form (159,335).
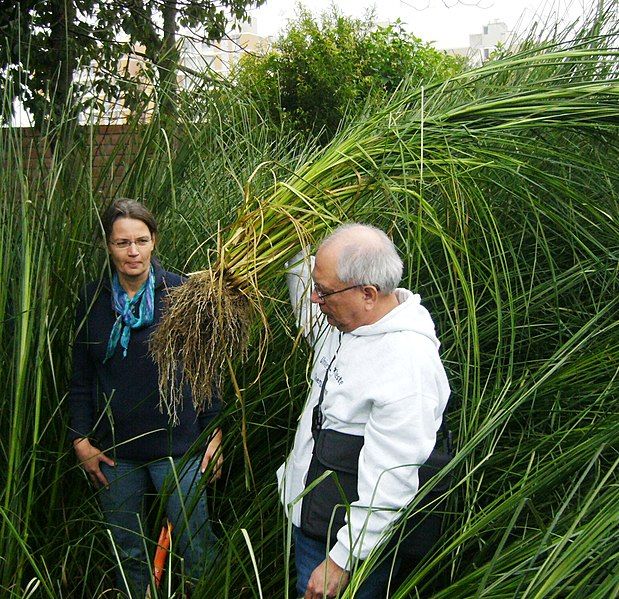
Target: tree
(48,42)
(321,69)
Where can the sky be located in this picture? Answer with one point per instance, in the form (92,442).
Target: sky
(446,23)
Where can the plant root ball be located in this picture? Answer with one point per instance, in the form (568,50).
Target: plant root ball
(205,324)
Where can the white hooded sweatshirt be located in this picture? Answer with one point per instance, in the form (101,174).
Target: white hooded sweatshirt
(386,383)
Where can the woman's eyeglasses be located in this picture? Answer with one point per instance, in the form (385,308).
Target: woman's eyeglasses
(123,244)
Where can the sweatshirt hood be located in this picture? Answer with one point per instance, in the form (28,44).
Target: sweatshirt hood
(408,316)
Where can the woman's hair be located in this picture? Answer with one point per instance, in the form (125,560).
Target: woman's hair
(126,208)
(367,257)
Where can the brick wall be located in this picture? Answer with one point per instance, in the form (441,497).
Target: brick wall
(114,148)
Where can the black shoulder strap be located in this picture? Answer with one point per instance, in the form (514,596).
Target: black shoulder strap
(446,433)
(318,417)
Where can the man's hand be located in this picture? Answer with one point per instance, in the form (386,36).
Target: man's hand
(326,581)
(89,458)
(213,453)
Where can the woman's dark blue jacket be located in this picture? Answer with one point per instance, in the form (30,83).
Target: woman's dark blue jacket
(116,404)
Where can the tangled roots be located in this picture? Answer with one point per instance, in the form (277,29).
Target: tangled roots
(205,324)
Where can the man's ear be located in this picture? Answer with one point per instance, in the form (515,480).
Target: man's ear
(370,294)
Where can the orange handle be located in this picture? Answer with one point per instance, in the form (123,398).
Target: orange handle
(161,554)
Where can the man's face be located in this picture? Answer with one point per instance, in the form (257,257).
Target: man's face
(346,310)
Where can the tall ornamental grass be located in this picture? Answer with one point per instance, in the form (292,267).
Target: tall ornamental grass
(500,189)
(52,542)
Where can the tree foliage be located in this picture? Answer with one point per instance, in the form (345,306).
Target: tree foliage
(49,44)
(322,68)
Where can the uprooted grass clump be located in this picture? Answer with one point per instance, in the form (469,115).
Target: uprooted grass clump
(206,325)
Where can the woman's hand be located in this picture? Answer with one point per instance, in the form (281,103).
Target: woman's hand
(89,458)
(213,454)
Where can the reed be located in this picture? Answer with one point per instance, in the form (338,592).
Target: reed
(500,189)
(424,145)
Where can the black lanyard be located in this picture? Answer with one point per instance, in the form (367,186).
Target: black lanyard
(317,415)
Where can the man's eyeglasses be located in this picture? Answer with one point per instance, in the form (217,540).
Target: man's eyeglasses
(123,244)
(322,295)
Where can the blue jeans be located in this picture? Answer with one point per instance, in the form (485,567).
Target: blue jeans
(123,505)
(309,553)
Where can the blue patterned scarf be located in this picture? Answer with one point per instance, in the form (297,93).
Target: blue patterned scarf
(127,320)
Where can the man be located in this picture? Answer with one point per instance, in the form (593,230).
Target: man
(378,385)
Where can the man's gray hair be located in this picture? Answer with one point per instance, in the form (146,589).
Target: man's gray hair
(367,257)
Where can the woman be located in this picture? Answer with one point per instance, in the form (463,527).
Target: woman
(125,444)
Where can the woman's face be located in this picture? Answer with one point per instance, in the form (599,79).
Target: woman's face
(133,261)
